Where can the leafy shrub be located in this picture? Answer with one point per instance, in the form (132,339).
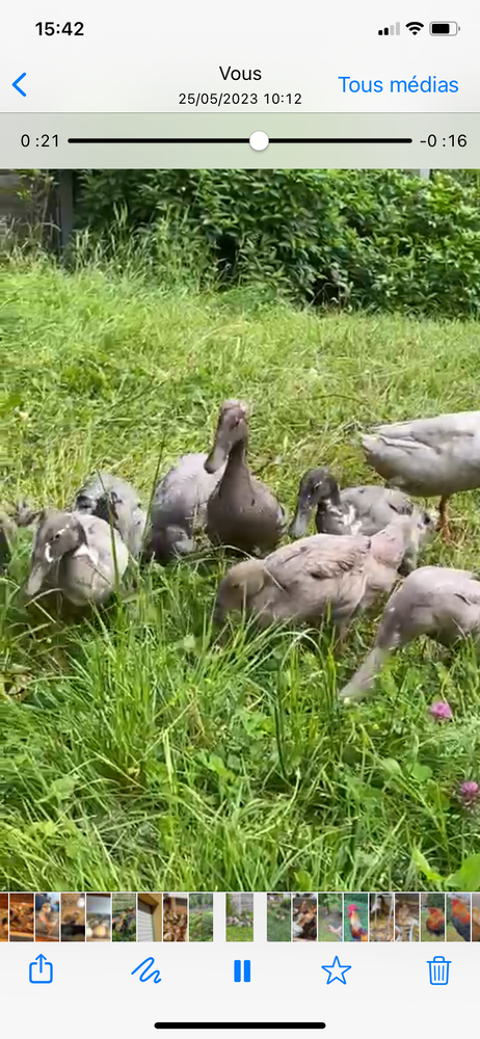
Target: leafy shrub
(378,239)
(201,927)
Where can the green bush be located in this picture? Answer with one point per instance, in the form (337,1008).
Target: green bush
(201,927)
(376,239)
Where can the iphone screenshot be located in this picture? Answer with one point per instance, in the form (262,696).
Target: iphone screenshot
(239,519)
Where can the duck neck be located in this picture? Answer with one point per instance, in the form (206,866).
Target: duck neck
(238,454)
(332,499)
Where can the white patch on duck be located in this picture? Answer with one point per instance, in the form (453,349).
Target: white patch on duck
(48,553)
(85,550)
(346,514)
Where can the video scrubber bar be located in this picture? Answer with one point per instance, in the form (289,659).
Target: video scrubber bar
(239,140)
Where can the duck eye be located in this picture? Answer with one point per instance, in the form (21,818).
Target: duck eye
(56,537)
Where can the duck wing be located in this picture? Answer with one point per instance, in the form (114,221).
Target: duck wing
(433,433)
(372,508)
(181,495)
(438,455)
(321,557)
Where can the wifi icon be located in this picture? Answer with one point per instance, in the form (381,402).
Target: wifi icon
(414,27)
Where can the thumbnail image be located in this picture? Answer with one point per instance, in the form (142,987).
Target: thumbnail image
(239,918)
(203,367)
(175,918)
(382,913)
(72,919)
(200,917)
(279,918)
(21,917)
(355,918)
(99,917)
(124,917)
(432,917)
(47,916)
(330,917)
(149,917)
(407,917)
(304,917)
(459,917)
(475,918)
(3,917)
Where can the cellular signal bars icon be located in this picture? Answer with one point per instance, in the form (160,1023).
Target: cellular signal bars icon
(392,30)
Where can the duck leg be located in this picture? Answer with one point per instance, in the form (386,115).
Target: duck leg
(443,524)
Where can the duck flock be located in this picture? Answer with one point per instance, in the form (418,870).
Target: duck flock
(368,538)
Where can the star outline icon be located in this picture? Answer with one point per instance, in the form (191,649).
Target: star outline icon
(336,971)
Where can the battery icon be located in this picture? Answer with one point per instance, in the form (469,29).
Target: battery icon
(444,28)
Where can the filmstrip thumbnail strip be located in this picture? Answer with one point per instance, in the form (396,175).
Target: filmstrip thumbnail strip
(103,917)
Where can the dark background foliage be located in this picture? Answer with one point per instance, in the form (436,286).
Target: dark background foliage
(375,239)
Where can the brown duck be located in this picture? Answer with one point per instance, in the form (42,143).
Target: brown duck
(242,512)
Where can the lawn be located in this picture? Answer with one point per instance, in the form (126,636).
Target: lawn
(239,934)
(144,753)
(279,922)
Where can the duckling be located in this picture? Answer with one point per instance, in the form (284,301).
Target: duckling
(117,502)
(179,507)
(355,510)
(429,456)
(437,601)
(79,555)
(319,575)
(242,512)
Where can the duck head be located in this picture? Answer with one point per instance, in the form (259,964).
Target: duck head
(242,583)
(232,429)
(58,534)
(315,487)
(419,532)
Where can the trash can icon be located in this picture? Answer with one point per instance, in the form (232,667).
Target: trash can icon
(439,969)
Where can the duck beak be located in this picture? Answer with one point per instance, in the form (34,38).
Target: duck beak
(39,572)
(217,457)
(299,525)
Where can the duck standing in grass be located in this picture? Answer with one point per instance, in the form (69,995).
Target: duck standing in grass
(354,510)
(320,575)
(429,457)
(242,512)
(78,555)
(437,601)
(117,502)
(179,507)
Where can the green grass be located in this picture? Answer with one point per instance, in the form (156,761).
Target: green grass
(239,934)
(279,922)
(147,754)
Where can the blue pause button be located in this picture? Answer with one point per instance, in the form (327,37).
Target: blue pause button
(237,970)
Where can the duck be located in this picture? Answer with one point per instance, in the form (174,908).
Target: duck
(179,507)
(440,602)
(354,510)
(116,501)
(78,555)
(242,512)
(319,575)
(429,457)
